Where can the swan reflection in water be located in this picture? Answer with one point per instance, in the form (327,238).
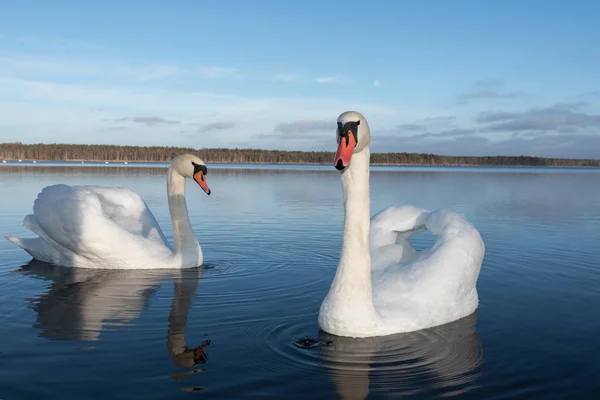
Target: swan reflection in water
(440,360)
(81,303)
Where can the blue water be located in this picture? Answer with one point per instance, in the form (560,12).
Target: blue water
(271,236)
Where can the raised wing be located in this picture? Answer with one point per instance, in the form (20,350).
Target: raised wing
(390,230)
(127,209)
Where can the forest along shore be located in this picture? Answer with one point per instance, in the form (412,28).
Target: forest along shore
(115,153)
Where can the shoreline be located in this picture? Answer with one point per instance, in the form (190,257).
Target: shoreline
(29,161)
(137,155)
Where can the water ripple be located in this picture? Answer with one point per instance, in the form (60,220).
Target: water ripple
(444,359)
(236,327)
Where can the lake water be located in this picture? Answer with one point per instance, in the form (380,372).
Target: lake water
(271,236)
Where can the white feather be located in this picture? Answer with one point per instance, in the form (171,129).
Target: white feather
(383,285)
(113,228)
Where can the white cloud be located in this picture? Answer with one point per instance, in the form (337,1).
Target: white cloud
(45,111)
(46,67)
(304,126)
(102,104)
(334,79)
(376,83)
(50,42)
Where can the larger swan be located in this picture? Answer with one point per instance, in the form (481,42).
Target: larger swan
(102,227)
(382,284)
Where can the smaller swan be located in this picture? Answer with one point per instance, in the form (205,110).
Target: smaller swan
(382,284)
(113,228)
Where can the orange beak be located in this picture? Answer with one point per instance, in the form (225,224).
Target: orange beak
(345,148)
(201,180)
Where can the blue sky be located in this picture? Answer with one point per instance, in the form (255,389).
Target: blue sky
(447,77)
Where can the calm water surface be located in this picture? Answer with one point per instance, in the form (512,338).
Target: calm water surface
(271,238)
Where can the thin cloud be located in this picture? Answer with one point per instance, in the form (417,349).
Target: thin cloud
(427,124)
(334,79)
(452,132)
(486,95)
(151,121)
(445,118)
(377,83)
(567,146)
(490,83)
(45,66)
(409,127)
(553,118)
(227,107)
(442,134)
(216,126)
(571,106)
(592,93)
(304,126)
(35,109)
(50,42)
(497,116)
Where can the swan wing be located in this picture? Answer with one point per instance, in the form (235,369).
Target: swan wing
(441,278)
(126,208)
(390,230)
(96,224)
(456,237)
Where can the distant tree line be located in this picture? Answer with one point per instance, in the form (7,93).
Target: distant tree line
(81,152)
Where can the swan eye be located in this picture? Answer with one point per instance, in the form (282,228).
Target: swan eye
(198,168)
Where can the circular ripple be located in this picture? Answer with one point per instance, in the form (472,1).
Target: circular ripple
(444,359)
(273,321)
(266,272)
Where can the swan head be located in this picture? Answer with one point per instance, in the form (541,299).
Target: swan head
(353,136)
(191,166)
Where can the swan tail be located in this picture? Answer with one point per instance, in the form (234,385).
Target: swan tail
(37,248)
(42,248)
(31,223)
(18,241)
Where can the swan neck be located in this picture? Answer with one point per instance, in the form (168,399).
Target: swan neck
(348,308)
(185,242)
(355,256)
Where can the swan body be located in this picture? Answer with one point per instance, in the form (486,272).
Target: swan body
(113,228)
(382,284)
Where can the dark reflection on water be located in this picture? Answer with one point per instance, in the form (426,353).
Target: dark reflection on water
(271,240)
(444,360)
(82,303)
(440,361)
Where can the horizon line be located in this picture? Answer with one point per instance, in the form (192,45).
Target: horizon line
(281,150)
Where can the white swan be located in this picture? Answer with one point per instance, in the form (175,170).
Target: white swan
(112,228)
(382,284)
